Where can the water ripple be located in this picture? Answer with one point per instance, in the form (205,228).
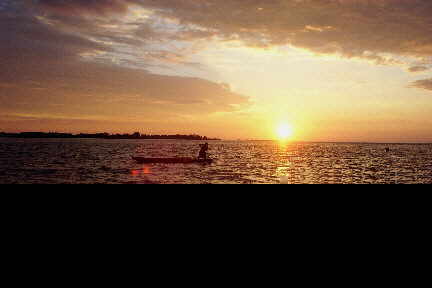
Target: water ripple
(109,161)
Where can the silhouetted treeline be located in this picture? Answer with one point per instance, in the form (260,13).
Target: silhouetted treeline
(136,135)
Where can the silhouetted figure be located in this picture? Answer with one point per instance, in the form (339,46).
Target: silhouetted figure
(203,152)
(387,150)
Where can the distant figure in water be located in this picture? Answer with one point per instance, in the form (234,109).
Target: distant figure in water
(203,151)
(387,150)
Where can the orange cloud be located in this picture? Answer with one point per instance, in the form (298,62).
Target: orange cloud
(417,69)
(43,72)
(423,84)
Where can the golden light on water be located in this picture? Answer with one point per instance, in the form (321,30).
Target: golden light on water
(285,131)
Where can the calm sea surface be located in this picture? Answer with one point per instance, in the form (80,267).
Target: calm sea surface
(109,161)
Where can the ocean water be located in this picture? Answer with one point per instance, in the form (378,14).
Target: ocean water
(82,161)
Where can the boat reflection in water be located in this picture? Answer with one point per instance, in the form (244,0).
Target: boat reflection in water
(146,170)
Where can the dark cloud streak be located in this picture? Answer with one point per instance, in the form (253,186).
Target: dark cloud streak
(418,69)
(85,7)
(423,84)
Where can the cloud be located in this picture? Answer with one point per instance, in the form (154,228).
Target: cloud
(85,7)
(45,70)
(380,31)
(423,84)
(83,89)
(352,28)
(418,69)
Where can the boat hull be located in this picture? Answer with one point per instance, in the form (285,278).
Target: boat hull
(143,160)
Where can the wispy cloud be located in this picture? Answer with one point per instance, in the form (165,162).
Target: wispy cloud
(418,69)
(423,84)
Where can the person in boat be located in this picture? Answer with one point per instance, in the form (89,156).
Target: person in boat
(203,151)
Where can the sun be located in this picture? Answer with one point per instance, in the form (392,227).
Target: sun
(285,131)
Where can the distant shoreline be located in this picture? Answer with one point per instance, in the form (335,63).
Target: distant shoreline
(193,137)
(135,136)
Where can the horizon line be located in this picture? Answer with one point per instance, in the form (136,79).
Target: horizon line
(226,139)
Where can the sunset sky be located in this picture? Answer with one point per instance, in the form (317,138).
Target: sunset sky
(332,70)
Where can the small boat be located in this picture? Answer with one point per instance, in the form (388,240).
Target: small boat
(143,160)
